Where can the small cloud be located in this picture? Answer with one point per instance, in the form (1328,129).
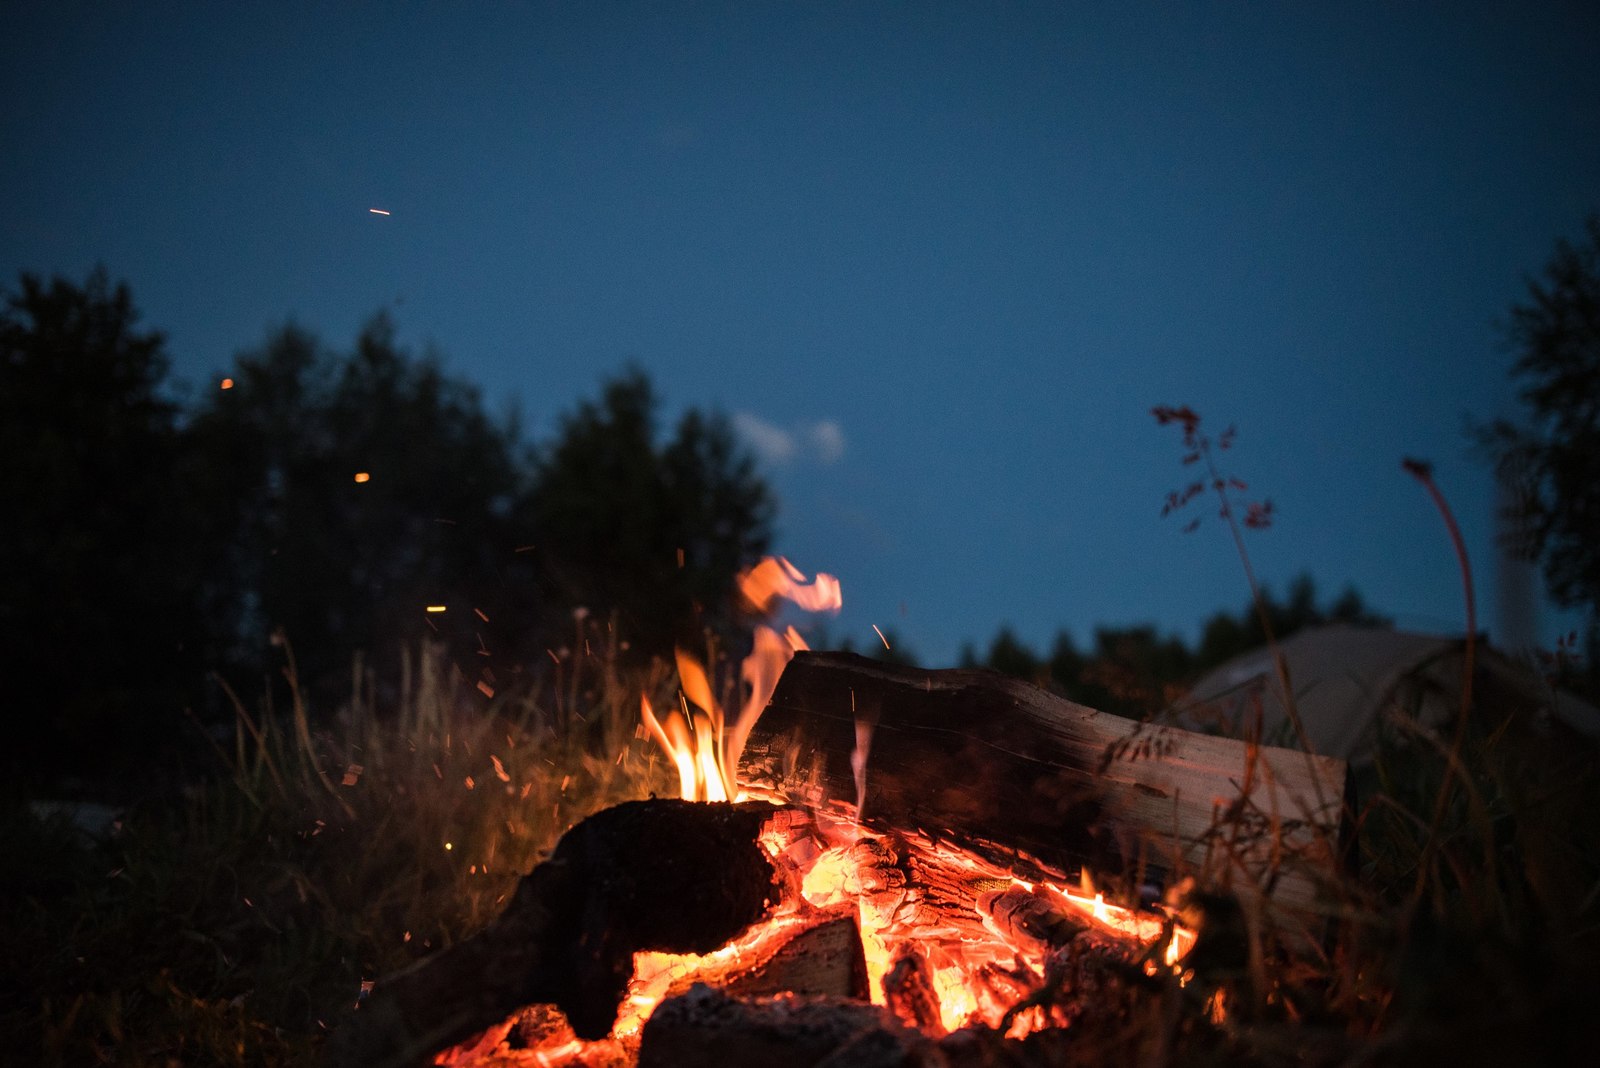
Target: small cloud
(827,441)
(772,443)
(821,443)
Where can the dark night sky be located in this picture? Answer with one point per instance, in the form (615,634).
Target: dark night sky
(938,261)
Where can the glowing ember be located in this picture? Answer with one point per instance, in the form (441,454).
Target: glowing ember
(897,914)
(655,975)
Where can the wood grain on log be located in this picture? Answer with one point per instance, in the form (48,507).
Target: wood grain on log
(823,960)
(808,954)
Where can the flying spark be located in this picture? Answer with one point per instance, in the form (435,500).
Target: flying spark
(881,638)
(377,211)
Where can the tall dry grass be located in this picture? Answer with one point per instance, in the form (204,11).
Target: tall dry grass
(237,922)
(1465,928)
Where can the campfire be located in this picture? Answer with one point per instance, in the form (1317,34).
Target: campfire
(867,857)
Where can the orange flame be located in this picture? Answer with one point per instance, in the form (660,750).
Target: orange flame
(692,749)
(706,752)
(776,577)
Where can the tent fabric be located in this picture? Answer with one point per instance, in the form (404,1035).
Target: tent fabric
(1343,677)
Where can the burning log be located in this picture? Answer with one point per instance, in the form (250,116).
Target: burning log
(903,879)
(825,960)
(1005,766)
(707,1026)
(1029,921)
(638,876)
(909,993)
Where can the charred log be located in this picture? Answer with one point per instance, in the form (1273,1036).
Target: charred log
(982,1048)
(822,960)
(638,876)
(707,1026)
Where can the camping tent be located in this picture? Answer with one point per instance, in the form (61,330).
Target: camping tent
(1344,677)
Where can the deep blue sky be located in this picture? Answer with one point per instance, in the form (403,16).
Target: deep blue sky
(938,260)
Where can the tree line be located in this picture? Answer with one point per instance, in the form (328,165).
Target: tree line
(1136,671)
(330,498)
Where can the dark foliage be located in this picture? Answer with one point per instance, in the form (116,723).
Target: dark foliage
(327,497)
(98,560)
(1551,458)
(647,535)
(341,565)
(1135,671)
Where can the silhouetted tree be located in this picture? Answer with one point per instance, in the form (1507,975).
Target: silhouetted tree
(1227,635)
(1067,668)
(97,557)
(1552,457)
(1135,671)
(329,496)
(650,534)
(1009,656)
(351,493)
